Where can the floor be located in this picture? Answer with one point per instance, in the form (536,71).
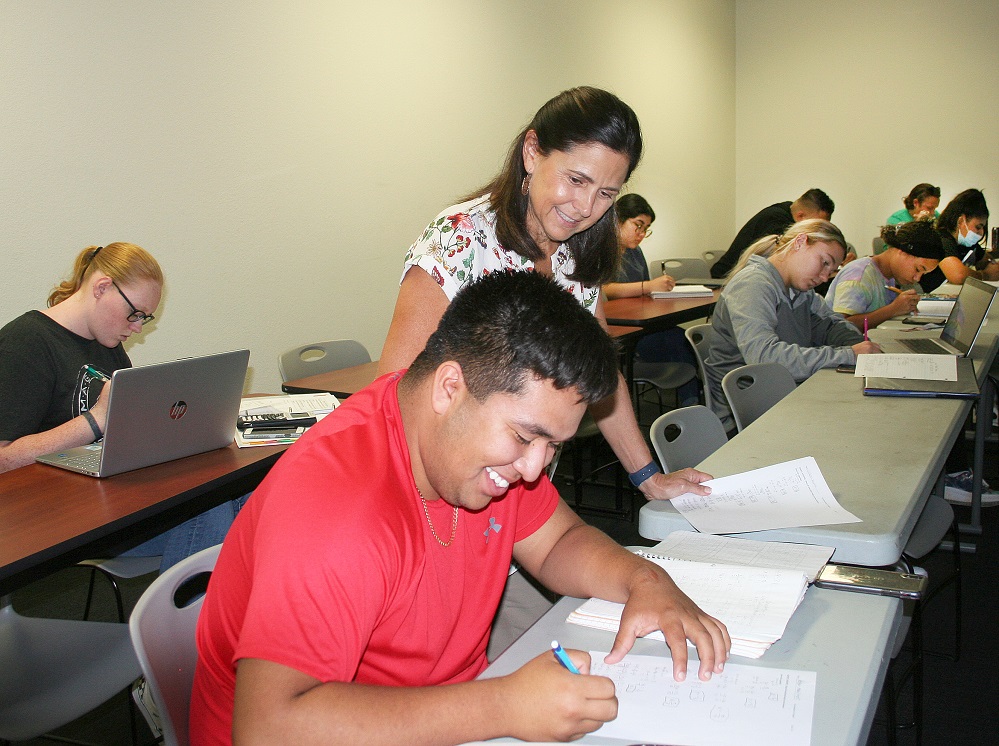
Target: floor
(960,697)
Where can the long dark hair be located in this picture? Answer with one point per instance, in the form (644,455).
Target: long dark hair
(575,117)
(970,203)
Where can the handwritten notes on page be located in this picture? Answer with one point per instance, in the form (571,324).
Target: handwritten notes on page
(920,367)
(747,705)
(786,495)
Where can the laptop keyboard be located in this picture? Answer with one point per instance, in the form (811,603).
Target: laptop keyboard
(89,462)
(925,346)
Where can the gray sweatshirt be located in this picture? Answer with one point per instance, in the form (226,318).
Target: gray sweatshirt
(758,320)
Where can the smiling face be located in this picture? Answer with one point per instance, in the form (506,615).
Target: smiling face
(482,448)
(570,190)
(804,265)
(108,322)
(632,231)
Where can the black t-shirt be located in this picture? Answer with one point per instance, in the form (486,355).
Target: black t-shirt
(932,280)
(769,221)
(44,380)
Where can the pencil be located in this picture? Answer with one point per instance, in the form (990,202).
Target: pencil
(894,289)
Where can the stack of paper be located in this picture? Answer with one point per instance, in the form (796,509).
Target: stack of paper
(755,603)
(684,291)
(312,405)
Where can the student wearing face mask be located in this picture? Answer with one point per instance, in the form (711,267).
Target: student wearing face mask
(870,290)
(769,311)
(962,225)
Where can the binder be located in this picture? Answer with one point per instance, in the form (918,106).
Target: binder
(965,387)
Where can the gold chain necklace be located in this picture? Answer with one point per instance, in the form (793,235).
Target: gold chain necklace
(454,522)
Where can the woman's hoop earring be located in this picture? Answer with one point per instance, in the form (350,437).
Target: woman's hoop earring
(525,185)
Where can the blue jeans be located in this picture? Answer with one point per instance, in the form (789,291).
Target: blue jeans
(202,531)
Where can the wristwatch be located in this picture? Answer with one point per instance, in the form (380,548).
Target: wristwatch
(637,477)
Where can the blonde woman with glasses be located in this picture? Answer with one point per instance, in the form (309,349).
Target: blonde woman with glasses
(769,311)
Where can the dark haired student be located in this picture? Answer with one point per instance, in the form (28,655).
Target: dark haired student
(874,289)
(773,221)
(353,605)
(962,225)
(920,203)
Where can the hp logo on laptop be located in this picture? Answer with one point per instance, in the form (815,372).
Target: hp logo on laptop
(178,409)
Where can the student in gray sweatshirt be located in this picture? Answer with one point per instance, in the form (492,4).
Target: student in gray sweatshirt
(769,312)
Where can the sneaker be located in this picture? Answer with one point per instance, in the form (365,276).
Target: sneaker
(957,490)
(147,706)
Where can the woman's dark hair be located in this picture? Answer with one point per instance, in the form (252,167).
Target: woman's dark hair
(918,238)
(920,192)
(631,206)
(578,116)
(970,203)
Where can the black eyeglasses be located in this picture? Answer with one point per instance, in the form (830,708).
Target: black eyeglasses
(136,315)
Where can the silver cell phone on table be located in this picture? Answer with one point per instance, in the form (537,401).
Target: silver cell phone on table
(872,580)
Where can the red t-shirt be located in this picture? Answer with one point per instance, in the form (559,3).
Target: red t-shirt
(331,568)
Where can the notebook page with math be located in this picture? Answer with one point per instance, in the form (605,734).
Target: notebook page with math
(787,495)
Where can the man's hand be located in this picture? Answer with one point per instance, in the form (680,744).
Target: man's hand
(674,484)
(555,705)
(656,603)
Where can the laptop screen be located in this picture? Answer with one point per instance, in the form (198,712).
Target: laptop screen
(969,312)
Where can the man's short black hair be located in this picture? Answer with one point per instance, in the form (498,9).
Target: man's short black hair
(820,200)
(507,327)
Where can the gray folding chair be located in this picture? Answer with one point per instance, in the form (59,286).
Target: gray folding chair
(752,389)
(878,245)
(162,627)
(684,267)
(321,357)
(686,436)
(56,670)
(699,337)
(710,257)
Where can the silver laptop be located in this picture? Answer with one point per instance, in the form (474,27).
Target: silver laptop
(963,326)
(162,412)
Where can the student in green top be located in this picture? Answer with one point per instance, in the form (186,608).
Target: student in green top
(922,201)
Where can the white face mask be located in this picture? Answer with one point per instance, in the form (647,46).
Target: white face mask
(969,239)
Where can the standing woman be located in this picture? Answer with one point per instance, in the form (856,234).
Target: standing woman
(962,226)
(920,203)
(548,210)
(634,220)
(869,290)
(769,311)
(53,365)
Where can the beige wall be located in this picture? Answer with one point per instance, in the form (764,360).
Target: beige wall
(864,100)
(279,158)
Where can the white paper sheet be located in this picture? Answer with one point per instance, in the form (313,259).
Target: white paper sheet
(728,550)
(786,495)
(920,367)
(747,705)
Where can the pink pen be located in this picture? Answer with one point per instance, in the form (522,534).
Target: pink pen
(865,328)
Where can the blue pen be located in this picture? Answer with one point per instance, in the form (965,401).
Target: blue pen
(562,658)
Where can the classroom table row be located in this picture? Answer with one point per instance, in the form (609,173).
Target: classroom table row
(880,456)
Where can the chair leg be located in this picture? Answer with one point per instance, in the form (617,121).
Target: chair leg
(117,593)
